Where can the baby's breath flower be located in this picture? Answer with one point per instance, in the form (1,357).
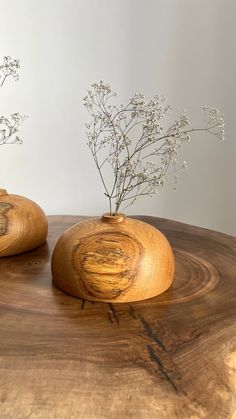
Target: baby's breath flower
(185,165)
(9,129)
(9,126)
(9,67)
(139,150)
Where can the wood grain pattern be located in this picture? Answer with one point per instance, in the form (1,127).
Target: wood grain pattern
(113,259)
(170,357)
(23,224)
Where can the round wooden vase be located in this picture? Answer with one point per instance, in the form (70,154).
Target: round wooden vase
(23,224)
(113,259)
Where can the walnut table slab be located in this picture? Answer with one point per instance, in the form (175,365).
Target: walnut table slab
(173,356)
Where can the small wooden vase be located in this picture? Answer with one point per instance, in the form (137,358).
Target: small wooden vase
(113,259)
(23,224)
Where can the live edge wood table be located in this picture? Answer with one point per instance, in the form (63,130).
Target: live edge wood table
(173,356)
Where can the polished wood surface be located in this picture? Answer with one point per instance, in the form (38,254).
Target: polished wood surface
(23,224)
(172,356)
(113,259)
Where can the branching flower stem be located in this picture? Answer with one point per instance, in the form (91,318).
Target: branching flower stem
(122,138)
(9,126)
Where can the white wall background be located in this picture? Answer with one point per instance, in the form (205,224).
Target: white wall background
(184,49)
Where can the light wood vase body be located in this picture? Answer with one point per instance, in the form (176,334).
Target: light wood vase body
(23,224)
(113,259)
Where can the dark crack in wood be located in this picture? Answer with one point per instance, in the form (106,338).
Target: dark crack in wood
(159,355)
(148,329)
(154,358)
(82,304)
(110,317)
(112,313)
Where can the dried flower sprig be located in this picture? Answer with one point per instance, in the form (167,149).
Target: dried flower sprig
(9,67)
(9,129)
(9,126)
(131,140)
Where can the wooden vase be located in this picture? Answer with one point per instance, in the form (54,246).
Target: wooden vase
(23,224)
(113,259)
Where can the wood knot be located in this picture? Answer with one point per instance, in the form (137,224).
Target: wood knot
(107,263)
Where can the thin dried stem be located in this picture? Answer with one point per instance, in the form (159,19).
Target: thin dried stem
(9,126)
(122,138)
